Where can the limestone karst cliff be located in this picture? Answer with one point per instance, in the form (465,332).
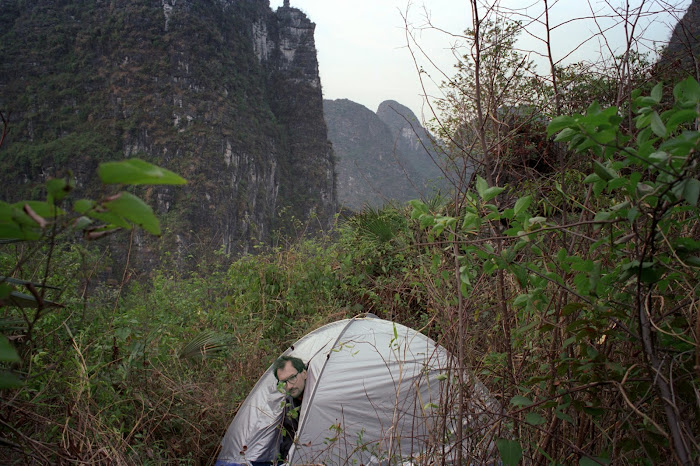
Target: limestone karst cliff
(226,93)
(682,55)
(382,157)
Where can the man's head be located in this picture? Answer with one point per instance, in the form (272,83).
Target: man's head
(291,372)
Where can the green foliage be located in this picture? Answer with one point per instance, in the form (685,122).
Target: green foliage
(578,311)
(46,221)
(135,172)
(8,354)
(510,451)
(591,297)
(206,345)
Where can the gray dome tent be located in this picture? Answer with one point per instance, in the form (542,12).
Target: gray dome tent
(375,394)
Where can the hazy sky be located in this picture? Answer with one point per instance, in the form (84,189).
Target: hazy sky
(363,55)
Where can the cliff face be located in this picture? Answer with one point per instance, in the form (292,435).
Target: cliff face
(225,93)
(682,54)
(381,157)
(413,141)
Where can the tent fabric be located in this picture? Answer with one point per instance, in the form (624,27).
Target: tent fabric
(373,396)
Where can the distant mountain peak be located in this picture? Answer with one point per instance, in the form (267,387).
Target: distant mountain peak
(381,157)
(397,116)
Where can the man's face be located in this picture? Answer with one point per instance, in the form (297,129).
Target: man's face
(293,381)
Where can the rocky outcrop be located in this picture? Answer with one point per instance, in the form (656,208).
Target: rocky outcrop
(682,55)
(226,93)
(413,141)
(297,103)
(382,157)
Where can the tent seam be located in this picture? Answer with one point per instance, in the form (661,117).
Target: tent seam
(318,379)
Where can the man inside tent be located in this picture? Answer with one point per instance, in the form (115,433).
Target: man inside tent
(291,374)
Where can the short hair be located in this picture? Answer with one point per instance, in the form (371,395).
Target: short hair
(282,361)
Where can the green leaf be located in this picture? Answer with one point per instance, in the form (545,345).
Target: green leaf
(645,101)
(592,178)
(471,222)
(15,224)
(595,412)
(599,186)
(658,157)
(691,191)
(593,109)
(559,123)
(136,171)
(492,192)
(481,186)
(426,221)
(41,208)
(93,210)
(583,265)
(206,345)
(589,461)
(657,126)
(419,208)
(570,308)
(14,231)
(81,223)
(680,117)
(136,211)
(83,205)
(522,204)
(605,173)
(111,220)
(534,419)
(519,301)
(519,400)
(510,450)
(642,121)
(687,92)
(605,136)
(693,261)
(562,254)
(58,188)
(8,380)
(19,281)
(7,351)
(681,145)
(618,183)
(5,289)
(657,92)
(566,135)
(464,275)
(602,216)
(26,300)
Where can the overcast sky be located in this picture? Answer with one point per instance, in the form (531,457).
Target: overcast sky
(363,56)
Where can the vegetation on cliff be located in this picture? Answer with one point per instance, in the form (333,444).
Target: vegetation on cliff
(183,85)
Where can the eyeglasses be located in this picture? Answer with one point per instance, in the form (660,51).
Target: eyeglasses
(291,379)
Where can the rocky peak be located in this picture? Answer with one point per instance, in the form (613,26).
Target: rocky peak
(681,54)
(407,131)
(396,116)
(382,157)
(296,45)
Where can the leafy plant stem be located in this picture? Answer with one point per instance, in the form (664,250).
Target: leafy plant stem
(124,274)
